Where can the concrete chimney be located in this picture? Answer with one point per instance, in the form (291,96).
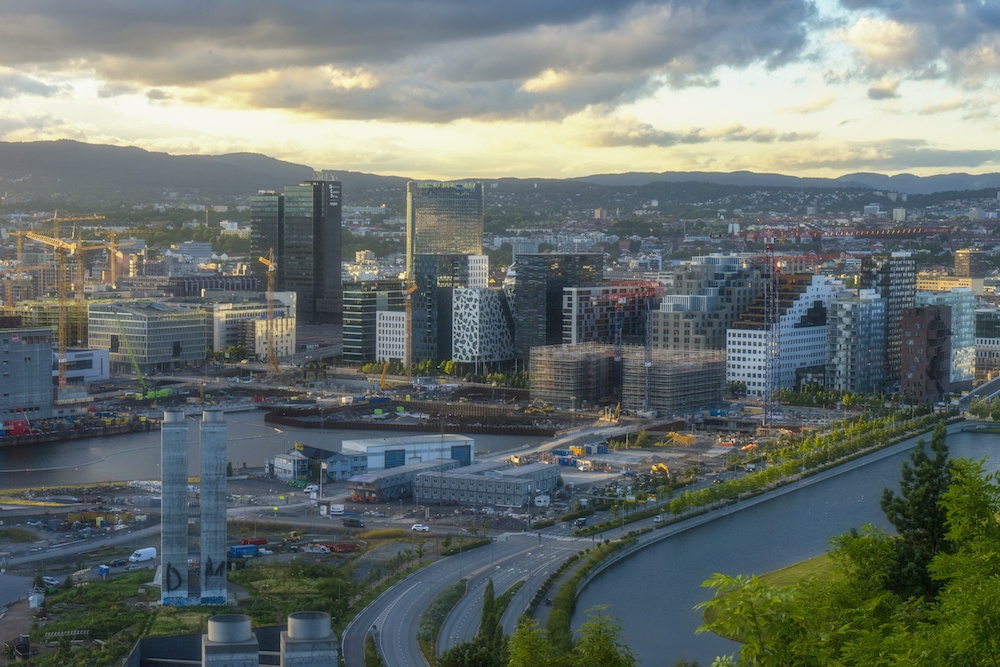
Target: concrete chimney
(230,642)
(309,641)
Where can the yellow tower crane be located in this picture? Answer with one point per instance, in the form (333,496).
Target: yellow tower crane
(272,354)
(64,250)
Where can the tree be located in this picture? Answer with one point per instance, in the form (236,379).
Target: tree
(918,517)
(600,644)
(530,646)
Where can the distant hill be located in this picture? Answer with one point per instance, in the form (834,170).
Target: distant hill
(738,178)
(73,170)
(907,183)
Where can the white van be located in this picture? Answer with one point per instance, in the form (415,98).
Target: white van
(312,488)
(142,555)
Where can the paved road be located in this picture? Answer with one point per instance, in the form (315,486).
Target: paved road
(531,566)
(395,616)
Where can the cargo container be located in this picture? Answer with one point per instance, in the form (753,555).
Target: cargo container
(561,452)
(602,449)
(259,541)
(243,551)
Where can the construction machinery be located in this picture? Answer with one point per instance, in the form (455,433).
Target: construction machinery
(272,354)
(64,250)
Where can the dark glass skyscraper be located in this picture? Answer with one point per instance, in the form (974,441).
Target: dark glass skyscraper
(538,294)
(303,227)
(443,218)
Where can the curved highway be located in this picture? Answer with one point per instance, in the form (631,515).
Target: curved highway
(394,617)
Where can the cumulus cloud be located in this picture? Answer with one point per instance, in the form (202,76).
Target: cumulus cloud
(433,60)
(953,39)
(14,84)
(811,106)
(884,89)
(157,95)
(640,134)
(897,155)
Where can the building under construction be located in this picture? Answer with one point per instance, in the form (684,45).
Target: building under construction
(566,376)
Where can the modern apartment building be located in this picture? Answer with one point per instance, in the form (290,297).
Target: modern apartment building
(894,277)
(926,353)
(802,331)
(482,326)
(302,226)
(971,263)
(962,333)
(855,342)
(987,344)
(707,296)
(443,218)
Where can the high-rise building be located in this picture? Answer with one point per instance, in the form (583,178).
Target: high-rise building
(962,328)
(436,276)
(27,373)
(302,225)
(926,353)
(972,264)
(987,344)
(894,277)
(707,295)
(443,218)
(537,295)
(482,326)
(362,300)
(855,342)
(802,329)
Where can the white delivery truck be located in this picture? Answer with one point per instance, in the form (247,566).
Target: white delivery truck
(142,555)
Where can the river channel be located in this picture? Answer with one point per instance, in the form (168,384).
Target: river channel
(136,456)
(653,593)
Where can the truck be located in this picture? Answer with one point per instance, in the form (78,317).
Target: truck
(336,509)
(316,549)
(243,550)
(259,541)
(142,555)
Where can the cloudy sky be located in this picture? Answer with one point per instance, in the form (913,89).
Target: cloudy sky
(452,88)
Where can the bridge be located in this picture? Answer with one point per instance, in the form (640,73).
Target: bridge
(988,391)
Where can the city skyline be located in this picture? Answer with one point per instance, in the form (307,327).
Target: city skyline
(442,90)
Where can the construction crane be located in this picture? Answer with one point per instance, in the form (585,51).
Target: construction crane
(113,248)
(408,327)
(64,250)
(772,333)
(131,355)
(272,354)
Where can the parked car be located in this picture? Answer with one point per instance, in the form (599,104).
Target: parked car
(580,523)
(135,566)
(118,562)
(265,552)
(420,528)
(51,582)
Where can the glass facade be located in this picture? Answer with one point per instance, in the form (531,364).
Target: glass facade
(303,227)
(443,218)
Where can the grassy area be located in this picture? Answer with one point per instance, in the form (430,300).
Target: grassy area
(433,618)
(820,567)
(17,535)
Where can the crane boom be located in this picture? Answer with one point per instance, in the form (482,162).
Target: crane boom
(272,353)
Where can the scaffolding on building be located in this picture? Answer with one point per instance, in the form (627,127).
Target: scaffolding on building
(672,382)
(663,381)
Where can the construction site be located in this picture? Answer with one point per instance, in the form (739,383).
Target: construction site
(653,382)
